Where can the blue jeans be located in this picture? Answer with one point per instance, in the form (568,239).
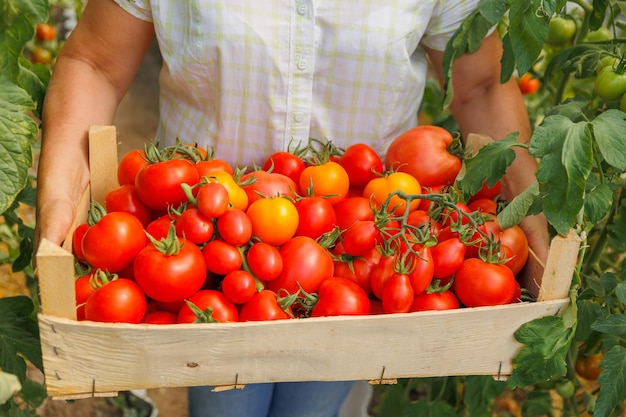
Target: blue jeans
(285,399)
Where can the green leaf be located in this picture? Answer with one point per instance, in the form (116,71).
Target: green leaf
(565,152)
(612,381)
(620,292)
(572,108)
(598,203)
(480,393)
(19,334)
(588,312)
(546,342)
(613,324)
(519,207)
(538,403)
(34,79)
(607,131)
(33,393)
(425,408)
(529,20)
(488,164)
(617,230)
(493,10)
(17,129)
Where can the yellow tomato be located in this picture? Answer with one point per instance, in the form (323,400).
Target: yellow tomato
(329,180)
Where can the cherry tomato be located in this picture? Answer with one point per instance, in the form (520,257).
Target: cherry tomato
(423,152)
(237,196)
(285,163)
(340,296)
(515,239)
(77,241)
(352,209)
(212,199)
(239,286)
(422,269)
(41,55)
(362,164)
(328,179)
(221,257)
(194,226)
(359,269)
(448,255)
(588,365)
(397,294)
(45,32)
(360,238)
(235,227)
(118,301)
(264,261)
(316,216)
(263,307)
(528,84)
(444,300)
(160,317)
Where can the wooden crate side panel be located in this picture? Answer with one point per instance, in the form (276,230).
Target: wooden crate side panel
(99,359)
(559,271)
(102,161)
(55,273)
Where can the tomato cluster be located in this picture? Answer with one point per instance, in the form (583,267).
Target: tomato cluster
(321,232)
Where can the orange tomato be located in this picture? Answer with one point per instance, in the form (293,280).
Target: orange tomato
(274,220)
(379,189)
(528,84)
(329,180)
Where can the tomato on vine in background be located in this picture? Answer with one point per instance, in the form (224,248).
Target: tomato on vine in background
(528,84)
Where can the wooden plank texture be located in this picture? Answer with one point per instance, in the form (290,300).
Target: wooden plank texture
(85,359)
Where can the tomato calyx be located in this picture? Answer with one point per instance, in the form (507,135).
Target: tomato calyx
(203,316)
(96,212)
(169,245)
(100,278)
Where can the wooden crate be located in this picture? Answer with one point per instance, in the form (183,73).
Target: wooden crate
(85,359)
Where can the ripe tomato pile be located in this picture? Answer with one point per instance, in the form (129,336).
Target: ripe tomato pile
(318,231)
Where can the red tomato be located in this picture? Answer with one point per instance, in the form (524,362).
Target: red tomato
(194,226)
(483,205)
(221,257)
(159,227)
(328,180)
(214,305)
(445,300)
(448,256)
(239,286)
(129,165)
(359,269)
(118,301)
(212,199)
(160,317)
(113,242)
(420,218)
(381,273)
(235,227)
(397,294)
(305,262)
(490,193)
(423,152)
(285,163)
(340,296)
(159,184)
(422,269)
(528,84)
(478,283)
(77,240)
(264,261)
(362,164)
(263,184)
(45,32)
(83,290)
(125,198)
(515,239)
(352,209)
(361,237)
(171,276)
(274,220)
(207,167)
(263,307)
(316,216)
